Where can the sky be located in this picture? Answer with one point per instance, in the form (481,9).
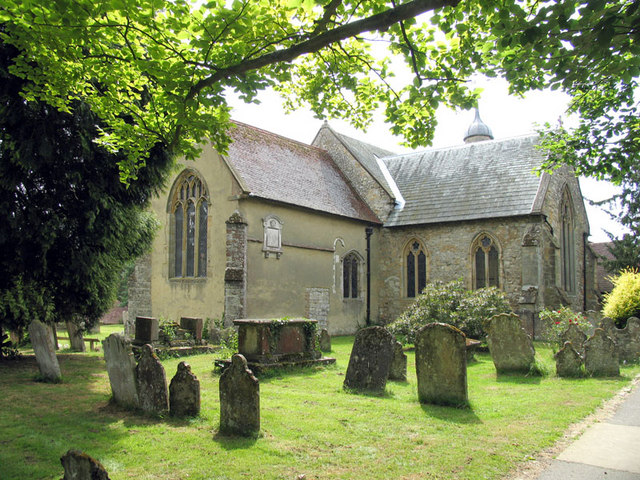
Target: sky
(506,115)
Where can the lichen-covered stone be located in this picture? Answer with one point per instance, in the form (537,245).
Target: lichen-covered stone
(43,346)
(239,399)
(370,360)
(575,336)
(627,339)
(325,340)
(184,393)
(121,367)
(80,466)
(601,355)
(510,346)
(152,382)
(441,365)
(568,361)
(398,370)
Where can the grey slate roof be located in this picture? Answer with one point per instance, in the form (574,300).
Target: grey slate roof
(487,179)
(280,169)
(366,154)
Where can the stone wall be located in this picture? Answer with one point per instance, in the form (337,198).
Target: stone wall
(317,306)
(139,292)
(235,275)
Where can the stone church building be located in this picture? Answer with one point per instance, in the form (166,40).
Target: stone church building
(349,234)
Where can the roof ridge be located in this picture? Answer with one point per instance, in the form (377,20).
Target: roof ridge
(273,134)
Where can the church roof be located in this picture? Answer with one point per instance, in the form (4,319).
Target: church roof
(367,154)
(488,179)
(276,168)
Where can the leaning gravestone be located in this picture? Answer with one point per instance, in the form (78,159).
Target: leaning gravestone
(184,393)
(239,399)
(325,340)
(510,346)
(370,360)
(398,370)
(80,466)
(43,346)
(441,365)
(121,367)
(601,355)
(576,336)
(568,361)
(152,382)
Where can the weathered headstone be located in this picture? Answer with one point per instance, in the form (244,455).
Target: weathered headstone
(194,326)
(152,382)
(627,339)
(441,365)
(510,346)
(239,399)
(121,367)
(44,348)
(325,340)
(80,466)
(184,393)
(75,337)
(147,330)
(601,355)
(398,370)
(370,360)
(576,336)
(568,361)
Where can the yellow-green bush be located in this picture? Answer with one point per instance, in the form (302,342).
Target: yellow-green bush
(624,300)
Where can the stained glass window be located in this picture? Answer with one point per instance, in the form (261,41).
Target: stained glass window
(416,269)
(350,276)
(486,263)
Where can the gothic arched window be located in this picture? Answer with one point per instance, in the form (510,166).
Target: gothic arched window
(350,279)
(486,262)
(189,211)
(415,259)
(567,249)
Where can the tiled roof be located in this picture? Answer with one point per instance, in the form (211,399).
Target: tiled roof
(487,179)
(366,154)
(280,169)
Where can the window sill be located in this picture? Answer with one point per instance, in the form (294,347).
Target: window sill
(188,279)
(350,300)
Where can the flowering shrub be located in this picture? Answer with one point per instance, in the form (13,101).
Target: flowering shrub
(450,303)
(559,320)
(624,300)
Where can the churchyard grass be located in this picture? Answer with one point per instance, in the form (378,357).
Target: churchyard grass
(309,424)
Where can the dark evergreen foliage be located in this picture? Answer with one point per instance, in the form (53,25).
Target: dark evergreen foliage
(68,224)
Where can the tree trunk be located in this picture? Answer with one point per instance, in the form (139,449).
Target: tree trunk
(76,341)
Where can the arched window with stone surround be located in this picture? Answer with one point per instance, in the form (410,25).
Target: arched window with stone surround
(415,268)
(567,243)
(189,210)
(486,262)
(351,275)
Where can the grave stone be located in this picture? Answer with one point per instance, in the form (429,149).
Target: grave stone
(121,367)
(80,466)
(184,393)
(627,339)
(601,355)
(510,346)
(239,399)
(194,326)
(398,370)
(147,330)
(151,382)
(325,340)
(44,348)
(568,361)
(370,360)
(75,337)
(576,336)
(441,365)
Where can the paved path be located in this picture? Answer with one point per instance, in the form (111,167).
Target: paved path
(607,450)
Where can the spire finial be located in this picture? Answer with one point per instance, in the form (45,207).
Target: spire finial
(478,131)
